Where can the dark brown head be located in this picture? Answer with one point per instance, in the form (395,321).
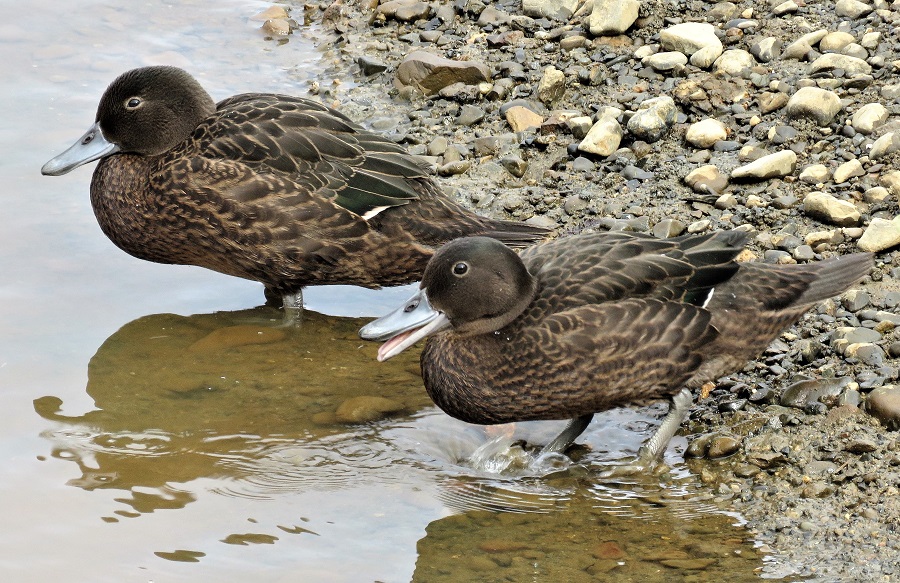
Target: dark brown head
(479,283)
(149,110)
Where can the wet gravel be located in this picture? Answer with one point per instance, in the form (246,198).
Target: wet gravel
(686,116)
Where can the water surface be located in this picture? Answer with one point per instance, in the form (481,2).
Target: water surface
(157,426)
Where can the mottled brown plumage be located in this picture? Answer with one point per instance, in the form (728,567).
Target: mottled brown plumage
(596,321)
(272,188)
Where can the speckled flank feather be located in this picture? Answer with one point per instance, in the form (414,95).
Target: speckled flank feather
(273,188)
(615,319)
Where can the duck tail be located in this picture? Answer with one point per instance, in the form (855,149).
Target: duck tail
(835,276)
(515,234)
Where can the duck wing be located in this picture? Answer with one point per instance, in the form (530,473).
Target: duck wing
(614,266)
(288,150)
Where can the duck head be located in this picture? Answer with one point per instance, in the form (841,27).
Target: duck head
(475,285)
(145,111)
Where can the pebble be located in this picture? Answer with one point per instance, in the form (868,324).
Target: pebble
(667,228)
(854,300)
(769,166)
(852,8)
(831,61)
(653,119)
(666,61)
(891,181)
(767,49)
(605,135)
(552,85)
(886,144)
(705,133)
(707,180)
(611,17)
(366,408)
(431,73)
(691,37)
(881,234)
(521,118)
(734,62)
(235,336)
(869,117)
(769,102)
(832,210)
(815,174)
(883,403)
(817,104)
(807,392)
(554,9)
(835,41)
(847,170)
(470,115)
(803,45)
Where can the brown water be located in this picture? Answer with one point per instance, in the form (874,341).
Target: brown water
(154,426)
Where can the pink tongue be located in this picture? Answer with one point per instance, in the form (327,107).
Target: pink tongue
(384,348)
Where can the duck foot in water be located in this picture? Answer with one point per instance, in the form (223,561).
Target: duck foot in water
(651,452)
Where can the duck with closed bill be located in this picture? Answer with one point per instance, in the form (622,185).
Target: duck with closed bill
(591,322)
(272,188)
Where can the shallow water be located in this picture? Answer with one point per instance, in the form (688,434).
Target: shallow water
(154,425)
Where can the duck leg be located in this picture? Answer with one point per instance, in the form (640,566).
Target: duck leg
(561,442)
(293,308)
(651,451)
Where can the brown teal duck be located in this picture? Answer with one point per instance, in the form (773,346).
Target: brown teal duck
(272,188)
(596,321)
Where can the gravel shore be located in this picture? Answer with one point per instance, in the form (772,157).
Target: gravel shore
(781,118)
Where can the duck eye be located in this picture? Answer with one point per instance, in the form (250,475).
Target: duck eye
(133,102)
(460,268)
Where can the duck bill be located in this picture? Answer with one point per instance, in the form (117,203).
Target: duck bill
(89,147)
(405,326)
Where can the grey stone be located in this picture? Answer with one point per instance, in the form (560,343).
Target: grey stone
(430,73)
(653,119)
(555,9)
(766,49)
(666,61)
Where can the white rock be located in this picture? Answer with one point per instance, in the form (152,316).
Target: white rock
(886,144)
(811,102)
(800,47)
(611,17)
(558,9)
(734,62)
(835,41)
(870,40)
(769,166)
(815,174)
(891,181)
(605,135)
(666,61)
(653,118)
(644,51)
(788,7)
(850,65)
(852,8)
(869,117)
(705,133)
(881,234)
(689,37)
(847,170)
(829,209)
(705,57)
